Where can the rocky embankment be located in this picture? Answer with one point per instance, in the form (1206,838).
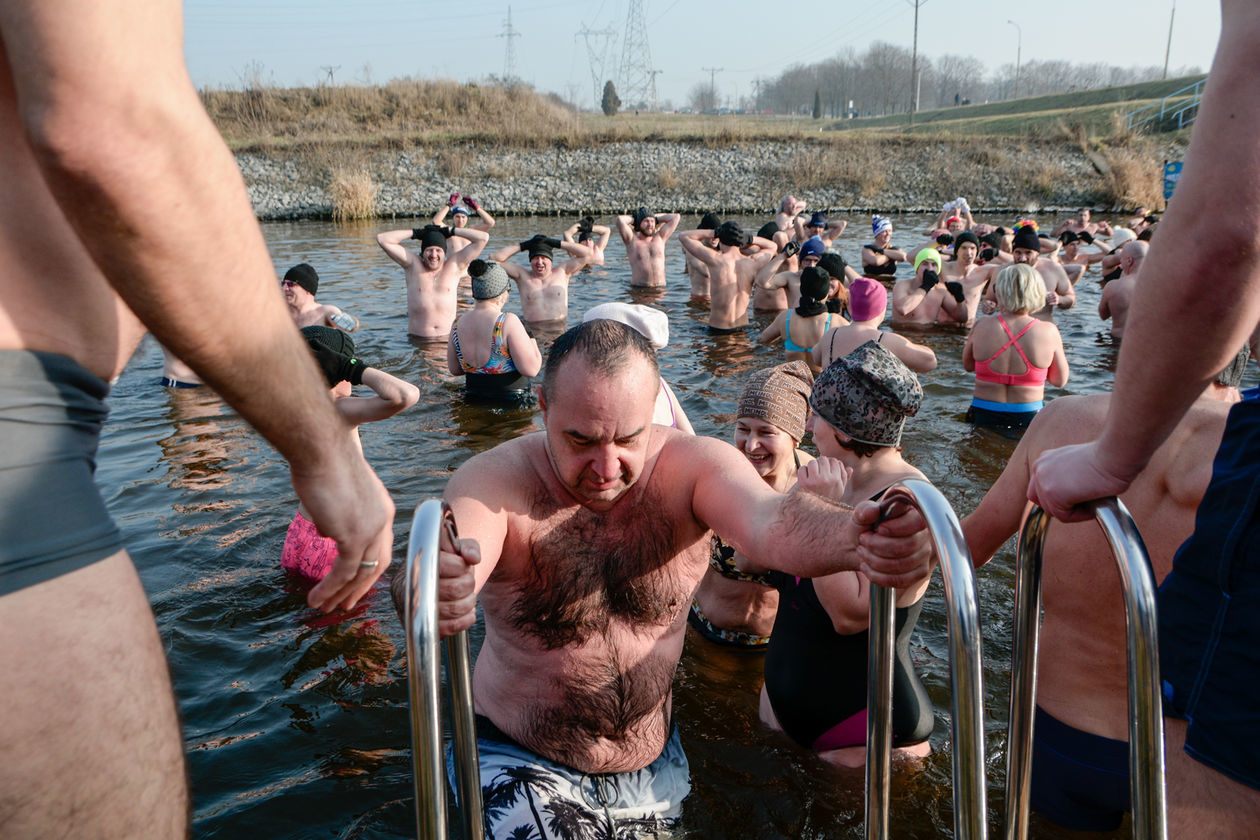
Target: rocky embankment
(862,175)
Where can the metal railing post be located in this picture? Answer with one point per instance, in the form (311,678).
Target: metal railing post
(1146,722)
(963,617)
(424,671)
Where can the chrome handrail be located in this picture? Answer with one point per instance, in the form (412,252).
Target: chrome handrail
(1146,722)
(963,616)
(424,672)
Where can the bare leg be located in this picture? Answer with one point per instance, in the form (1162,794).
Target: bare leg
(90,745)
(1201,801)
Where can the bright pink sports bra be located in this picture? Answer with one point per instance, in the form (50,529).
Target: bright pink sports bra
(1033,377)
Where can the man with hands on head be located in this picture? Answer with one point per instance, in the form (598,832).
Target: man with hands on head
(584,544)
(1198,306)
(432,277)
(544,285)
(117,189)
(733,267)
(644,234)
(460,220)
(585,232)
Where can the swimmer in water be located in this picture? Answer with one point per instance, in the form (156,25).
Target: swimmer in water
(544,285)
(644,234)
(732,268)
(735,602)
(697,271)
(491,348)
(460,221)
(1026,249)
(583,544)
(300,285)
(432,278)
(816,663)
(880,258)
(813,319)
(306,554)
(868,304)
(586,232)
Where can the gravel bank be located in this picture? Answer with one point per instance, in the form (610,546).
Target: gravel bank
(998,175)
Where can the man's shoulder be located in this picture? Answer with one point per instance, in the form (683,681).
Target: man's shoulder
(508,467)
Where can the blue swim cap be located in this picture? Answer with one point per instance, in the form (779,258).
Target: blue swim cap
(813,247)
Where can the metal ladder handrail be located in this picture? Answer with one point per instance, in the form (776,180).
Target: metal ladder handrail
(1194,92)
(424,672)
(1146,722)
(965,671)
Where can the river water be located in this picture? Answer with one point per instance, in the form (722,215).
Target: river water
(296,725)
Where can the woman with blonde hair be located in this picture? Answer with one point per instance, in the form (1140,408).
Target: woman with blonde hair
(1014,354)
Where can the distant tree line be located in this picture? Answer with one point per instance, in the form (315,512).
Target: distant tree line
(877,82)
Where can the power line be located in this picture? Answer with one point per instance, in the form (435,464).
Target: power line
(509,50)
(638,82)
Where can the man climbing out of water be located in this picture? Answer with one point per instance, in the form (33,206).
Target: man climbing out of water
(300,284)
(459,221)
(432,278)
(1197,307)
(732,269)
(117,190)
(584,544)
(544,285)
(644,235)
(1080,771)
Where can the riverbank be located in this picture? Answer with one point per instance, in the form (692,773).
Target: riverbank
(845,174)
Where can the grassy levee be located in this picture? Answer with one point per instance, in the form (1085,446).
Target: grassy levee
(1095,109)
(365,148)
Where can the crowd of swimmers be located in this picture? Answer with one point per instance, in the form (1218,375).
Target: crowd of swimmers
(848,381)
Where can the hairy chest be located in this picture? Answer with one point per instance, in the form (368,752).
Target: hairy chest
(581,575)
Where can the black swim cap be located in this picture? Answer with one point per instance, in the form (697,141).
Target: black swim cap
(639,215)
(815,284)
(709,221)
(432,239)
(540,248)
(833,264)
(730,233)
(966,236)
(1026,238)
(303,275)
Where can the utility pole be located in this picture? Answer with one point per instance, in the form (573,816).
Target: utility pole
(713,71)
(329,70)
(1019,47)
(597,55)
(1168,49)
(509,51)
(914,65)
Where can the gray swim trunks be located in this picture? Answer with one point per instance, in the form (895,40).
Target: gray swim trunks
(526,795)
(52,517)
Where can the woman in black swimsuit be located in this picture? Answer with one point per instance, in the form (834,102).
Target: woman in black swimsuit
(879,259)
(815,688)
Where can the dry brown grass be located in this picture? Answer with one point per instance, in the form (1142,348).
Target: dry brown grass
(666,178)
(856,167)
(353,194)
(1134,179)
(452,160)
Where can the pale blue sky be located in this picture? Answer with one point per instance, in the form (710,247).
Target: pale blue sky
(293,41)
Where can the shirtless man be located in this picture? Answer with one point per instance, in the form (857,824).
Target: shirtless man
(1074,261)
(777,287)
(1117,295)
(789,208)
(697,271)
(432,277)
(921,298)
(585,543)
(644,236)
(544,286)
(1081,751)
(117,188)
(1196,308)
(1081,223)
(819,226)
(972,278)
(300,284)
(1059,292)
(459,221)
(732,269)
(593,236)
